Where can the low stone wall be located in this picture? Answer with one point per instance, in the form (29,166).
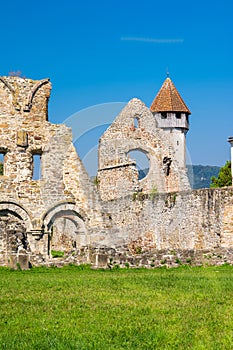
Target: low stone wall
(122,257)
(193,220)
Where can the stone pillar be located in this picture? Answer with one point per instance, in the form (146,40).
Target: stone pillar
(230,140)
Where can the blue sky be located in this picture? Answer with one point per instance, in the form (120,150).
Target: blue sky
(110,51)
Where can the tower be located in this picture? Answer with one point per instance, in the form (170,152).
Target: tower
(172,115)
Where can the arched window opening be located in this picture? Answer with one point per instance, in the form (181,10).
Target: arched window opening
(142,162)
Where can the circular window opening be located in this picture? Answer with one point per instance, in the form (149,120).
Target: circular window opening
(142,163)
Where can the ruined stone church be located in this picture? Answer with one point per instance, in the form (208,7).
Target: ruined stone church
(120,219)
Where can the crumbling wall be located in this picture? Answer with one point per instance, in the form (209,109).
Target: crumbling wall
(117,174)
(178,220)
(14,246)
(24,132)
(135,222)
(152,230)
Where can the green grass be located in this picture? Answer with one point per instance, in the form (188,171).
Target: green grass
(57,254)
(78,308)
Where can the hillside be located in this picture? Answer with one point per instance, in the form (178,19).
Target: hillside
(199,175)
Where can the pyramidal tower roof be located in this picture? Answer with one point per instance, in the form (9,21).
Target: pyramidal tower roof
(168,99)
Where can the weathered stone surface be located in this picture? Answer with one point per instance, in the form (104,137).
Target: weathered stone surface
(117,175)
(123,221)
(40,204)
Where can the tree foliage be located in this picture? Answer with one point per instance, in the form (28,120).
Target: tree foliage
(224,177)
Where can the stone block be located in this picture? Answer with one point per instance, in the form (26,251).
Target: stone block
(23,261)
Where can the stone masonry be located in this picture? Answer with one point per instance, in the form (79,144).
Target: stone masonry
(121,220)
(64,188)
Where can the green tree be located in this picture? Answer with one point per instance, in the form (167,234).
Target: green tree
(224,177)
(1,168)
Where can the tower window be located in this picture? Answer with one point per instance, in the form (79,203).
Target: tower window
(36,170)
(164,115)
(178,115)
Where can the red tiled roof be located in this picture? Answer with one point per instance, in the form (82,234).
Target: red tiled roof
(168,99)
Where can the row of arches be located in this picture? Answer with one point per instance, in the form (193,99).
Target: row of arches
(61,228)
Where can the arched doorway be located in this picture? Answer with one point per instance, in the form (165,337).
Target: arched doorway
(66,229)
(13,237)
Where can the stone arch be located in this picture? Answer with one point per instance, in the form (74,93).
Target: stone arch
(141,164)
(12,96)
(10,88)
(14,226)
(62,207)
(65,226)
(32,93)
(17,210)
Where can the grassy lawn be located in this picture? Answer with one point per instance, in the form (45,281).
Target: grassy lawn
(78,308)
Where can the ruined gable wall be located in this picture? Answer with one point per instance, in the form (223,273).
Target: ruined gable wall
(117,173)
(25,131)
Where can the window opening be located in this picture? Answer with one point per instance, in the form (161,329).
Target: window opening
(136,124)
(2,163)
(36,173)
(142,163)
(164,115)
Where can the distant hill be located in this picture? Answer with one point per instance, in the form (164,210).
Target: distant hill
(199,175)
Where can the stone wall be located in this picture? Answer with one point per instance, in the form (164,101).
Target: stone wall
(117,172)
(121,221)
(199,219)
(63,190)
(192,227)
